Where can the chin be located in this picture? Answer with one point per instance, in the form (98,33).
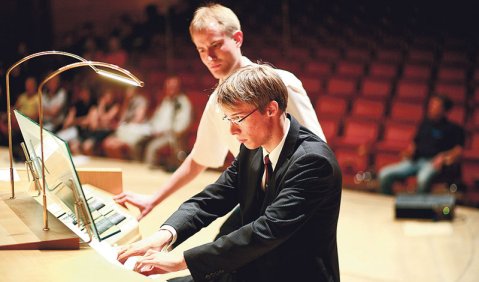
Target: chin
(215,74)
(251,146)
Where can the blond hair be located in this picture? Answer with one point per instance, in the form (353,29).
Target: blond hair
(224,17)
(256,85)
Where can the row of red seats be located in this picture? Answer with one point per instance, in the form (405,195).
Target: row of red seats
(369,87)
(346,51)
(380,89)
(380,69)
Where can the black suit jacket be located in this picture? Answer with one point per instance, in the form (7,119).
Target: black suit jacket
(288,234)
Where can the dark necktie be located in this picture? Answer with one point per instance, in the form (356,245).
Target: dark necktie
(268,171)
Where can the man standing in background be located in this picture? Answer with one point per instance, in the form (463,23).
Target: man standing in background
(216,32)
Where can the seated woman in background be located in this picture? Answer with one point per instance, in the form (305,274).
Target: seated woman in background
(133,114)
(76,119)
(54,100)
(101,121)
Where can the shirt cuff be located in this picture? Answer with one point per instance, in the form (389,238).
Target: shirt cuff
(172,230)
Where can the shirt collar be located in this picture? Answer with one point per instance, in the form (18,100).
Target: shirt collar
(244,62)
(274,155)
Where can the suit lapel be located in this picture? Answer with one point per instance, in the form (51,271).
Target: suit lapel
(253,187)
(283,161)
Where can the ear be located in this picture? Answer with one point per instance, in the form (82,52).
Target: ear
(238,38)
(272,109)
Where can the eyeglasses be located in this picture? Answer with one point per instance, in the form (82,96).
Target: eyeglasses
(238,120)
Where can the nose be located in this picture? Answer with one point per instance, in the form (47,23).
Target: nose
(234,129)
(211,55)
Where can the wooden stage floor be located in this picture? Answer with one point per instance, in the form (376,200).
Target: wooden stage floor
(373,245)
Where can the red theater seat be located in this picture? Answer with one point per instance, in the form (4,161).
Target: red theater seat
(417,72)
(457,115)
(189,81)
(470,162)
(357,54)
(383,70)
(397,136)
(450,57)
(417,55)
(406,112)
(367,109)
(350,69)
(326,53)
(340,86)
(475,76)
(330,128)
(457,92)
(313,87)
(269,53)
(319,69)
(156,77)
(475,97)
(375,89)
(292,66)
(300,54)
(198,100)
(474,121)
(208,83)
(329,106)
(351,162)
(451,74)
(358,133)
(412,91)
(389,55)
(472,151)
(353,152)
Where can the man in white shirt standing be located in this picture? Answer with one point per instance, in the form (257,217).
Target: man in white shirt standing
(216,32)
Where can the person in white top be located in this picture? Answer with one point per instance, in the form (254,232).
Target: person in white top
(140,138)
(216,32)
(54,102)
(170,120)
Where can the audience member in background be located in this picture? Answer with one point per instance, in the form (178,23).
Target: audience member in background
(216,33)
(27,104)
(133,112)
(288,221)
(54,104)
(115,54)
(152,27)
(90,48)
(124,30)
(170,119)
(77,116)
(169,123)
(101,121)
(437,144)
